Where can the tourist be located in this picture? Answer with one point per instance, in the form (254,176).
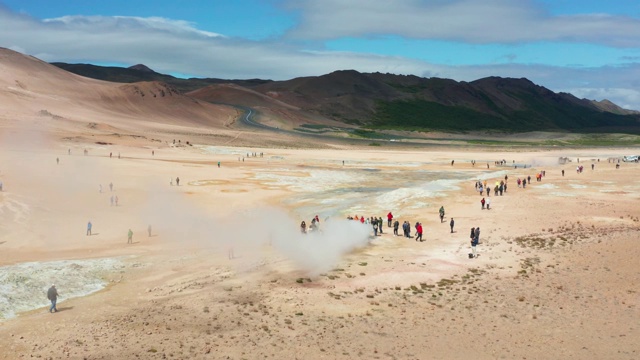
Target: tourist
(419,232)
(396,225)
(451,223)
(52,295)
(441,211)
(389,219)
(482,203)
(130,237)
(489,203)
(89,226)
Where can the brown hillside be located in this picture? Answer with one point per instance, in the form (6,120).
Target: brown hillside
(29,86)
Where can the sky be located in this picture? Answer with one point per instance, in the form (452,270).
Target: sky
(590,48)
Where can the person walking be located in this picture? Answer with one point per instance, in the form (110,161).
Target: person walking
(419,232)
(451,224)
(474,242)
(488,203)
(89,226)
(130,237)
(396,225)
(441,211)
(52,295)
(482,203)
(374,222)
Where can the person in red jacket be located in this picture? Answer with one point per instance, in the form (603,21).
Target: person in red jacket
(361,220)
(419,232)
(389,219)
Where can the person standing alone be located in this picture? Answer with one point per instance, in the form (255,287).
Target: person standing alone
(89,228)
(451,223)
(130,237)
(52,295)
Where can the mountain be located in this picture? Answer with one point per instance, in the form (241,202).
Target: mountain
(139,72)
(33,89)
(141,67)
(389,101)
(607,105)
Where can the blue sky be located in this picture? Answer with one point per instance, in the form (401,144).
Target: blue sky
(589,48)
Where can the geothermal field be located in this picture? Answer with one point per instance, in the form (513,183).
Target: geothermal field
(219,269)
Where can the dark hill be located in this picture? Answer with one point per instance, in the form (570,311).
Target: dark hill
(141,67)
(141,72)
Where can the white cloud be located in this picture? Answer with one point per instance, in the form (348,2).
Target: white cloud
(170,46)
(474,21)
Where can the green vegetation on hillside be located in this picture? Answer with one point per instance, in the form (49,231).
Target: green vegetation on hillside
(536,115)
(430,115)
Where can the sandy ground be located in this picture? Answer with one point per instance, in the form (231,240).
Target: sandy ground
(557,275)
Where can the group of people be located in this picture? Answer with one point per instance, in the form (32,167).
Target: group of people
(315,225)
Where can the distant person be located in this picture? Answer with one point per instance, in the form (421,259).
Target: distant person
(477,234)
(110,155)
(441,212)
(488,203)
(452,161)
(218,164)
(89,226)
(68,151)
(593,166)
(1,185)
(149,230)
(562,172)
(380,224)
(177,181)
(153,152)
(52,295)
(396,225)
(130,237)
(303,227)
(474,243)
(112,200)
(419,232)
(57,161)
(482,202)
(389,219)
(100,188)
(451,224)
(110,186)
